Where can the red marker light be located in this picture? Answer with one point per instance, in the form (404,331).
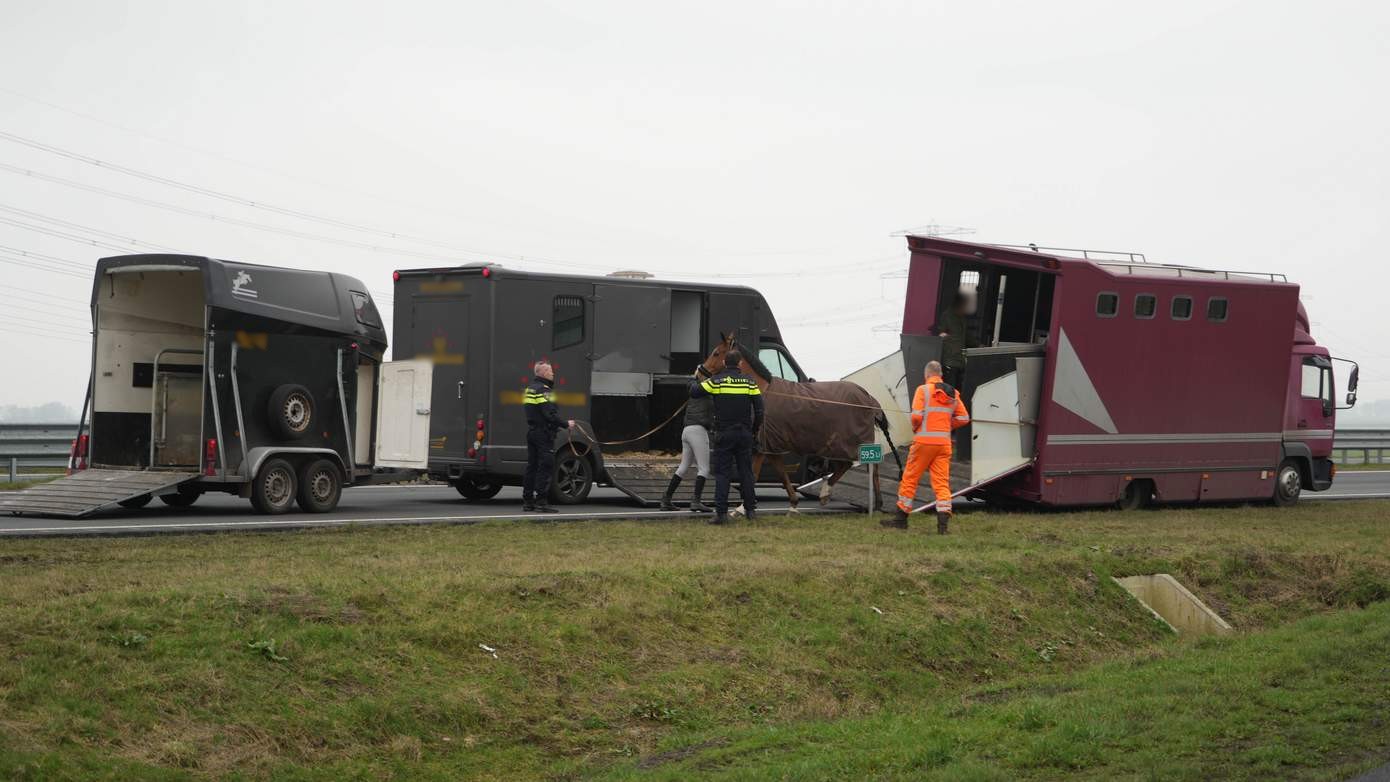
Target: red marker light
(472,452)
(480,424)
(395,276)
(487,271)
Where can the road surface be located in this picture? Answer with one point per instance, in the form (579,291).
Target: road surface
(382,505)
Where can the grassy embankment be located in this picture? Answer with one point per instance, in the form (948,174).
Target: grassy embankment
(797,649)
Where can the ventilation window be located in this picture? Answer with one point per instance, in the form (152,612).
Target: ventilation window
(1182,308)
(1216,310)
(365,310)
(1145,305)
(1107,305)
(567,321)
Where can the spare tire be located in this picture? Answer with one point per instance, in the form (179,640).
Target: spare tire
(292,411)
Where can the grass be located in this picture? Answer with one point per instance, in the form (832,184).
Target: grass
(795,649)
(31,481)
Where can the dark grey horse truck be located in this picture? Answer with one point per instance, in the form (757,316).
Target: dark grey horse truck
(209,375)
(623,347)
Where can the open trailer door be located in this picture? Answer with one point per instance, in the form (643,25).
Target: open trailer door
(403,414)
(1000,440)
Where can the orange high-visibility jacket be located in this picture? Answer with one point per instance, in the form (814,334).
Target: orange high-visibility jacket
(936,413)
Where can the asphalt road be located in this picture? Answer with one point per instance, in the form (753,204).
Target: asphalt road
(442,505)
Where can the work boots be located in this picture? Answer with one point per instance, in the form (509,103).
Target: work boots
(720,519)
(542,506)
(670,492)
(695,505)
(943,523)
(897,521)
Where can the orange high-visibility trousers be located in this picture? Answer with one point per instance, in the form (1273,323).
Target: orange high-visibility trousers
(924,456)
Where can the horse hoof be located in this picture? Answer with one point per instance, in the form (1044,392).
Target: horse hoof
(736,512)
(793,510)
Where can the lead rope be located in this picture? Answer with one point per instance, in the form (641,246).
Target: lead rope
(595,441)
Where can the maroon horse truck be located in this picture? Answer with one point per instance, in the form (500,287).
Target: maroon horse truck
(1128,381)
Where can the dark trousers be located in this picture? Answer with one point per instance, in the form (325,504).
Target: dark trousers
(733,448)
(540,465)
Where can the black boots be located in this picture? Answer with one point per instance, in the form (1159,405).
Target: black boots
(721,519)
(695,505)
(897,521)
(670,492)
(943,523)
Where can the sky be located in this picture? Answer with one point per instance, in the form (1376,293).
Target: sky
(776,144)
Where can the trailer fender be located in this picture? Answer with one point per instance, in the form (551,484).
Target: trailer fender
(1304,456)
(257,456)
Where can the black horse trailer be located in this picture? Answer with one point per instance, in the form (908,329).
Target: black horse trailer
(210,375)
(623,349)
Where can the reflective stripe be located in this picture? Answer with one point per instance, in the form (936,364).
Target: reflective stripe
(962,418)
(934,435)
(533,397)
(740,386)
(941,409)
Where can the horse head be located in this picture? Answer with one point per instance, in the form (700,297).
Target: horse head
(714,363)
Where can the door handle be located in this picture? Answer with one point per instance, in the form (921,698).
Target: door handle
(461,385)
(422,411)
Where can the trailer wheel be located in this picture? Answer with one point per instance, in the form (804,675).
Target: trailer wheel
(182,499)
(292,411)
(275,487)
(574,477)
(136,502)
(320,486)
(1288,483)
(476,490)
(1138,495)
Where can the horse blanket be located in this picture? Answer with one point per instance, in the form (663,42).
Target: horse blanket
(803,418)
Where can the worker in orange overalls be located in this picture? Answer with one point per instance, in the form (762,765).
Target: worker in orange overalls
(936,412)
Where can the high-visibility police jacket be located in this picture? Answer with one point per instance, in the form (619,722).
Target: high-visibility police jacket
(936,411)
(737,400)
(541,412)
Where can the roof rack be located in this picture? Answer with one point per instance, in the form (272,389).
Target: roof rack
(1087,254)
(1191,272)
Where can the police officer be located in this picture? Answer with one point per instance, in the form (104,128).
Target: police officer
(542,423)
(738,415)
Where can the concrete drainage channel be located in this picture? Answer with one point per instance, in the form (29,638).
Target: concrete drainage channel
(1171,602)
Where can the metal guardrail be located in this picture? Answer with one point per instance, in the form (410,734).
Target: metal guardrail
(1369,442)
(31,451)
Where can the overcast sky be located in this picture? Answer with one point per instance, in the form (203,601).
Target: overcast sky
(782,139)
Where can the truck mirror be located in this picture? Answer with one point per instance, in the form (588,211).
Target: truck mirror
(1351,399)
(1351,383)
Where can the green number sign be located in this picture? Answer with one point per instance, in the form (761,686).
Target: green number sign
(871,453)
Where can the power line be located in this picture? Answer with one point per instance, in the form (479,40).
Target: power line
(29,306)
(47,295)
(42,256)
(60,337)
(76,226)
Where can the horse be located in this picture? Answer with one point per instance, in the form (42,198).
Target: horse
(825,419)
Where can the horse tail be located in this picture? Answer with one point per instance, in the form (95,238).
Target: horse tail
(882,421)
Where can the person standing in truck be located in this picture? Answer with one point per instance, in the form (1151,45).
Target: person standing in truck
(699,420)
(936,412)
(738,416)
(955,336)
(542,423)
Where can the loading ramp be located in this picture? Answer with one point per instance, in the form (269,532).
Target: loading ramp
(89,491)
(644,477)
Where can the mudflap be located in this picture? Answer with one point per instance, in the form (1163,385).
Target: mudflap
(86,492)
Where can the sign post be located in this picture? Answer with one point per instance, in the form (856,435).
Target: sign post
(871,455)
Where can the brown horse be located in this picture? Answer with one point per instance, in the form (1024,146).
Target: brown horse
(827,419)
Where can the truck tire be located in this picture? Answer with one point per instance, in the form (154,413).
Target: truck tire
(292,411)
(1288,483)
(574,477)
(135,503)
(182,499)
(320,486)
(1138,495)
(476,490)
(275,487)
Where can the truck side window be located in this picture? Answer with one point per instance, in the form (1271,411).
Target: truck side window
(772,359)
(1145,305)
(1216,309)
(1182,308)
(365,310)
(1107,304)
(567,322)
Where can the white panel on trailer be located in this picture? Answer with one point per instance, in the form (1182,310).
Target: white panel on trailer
(362,424)
(886,381)
(403,414)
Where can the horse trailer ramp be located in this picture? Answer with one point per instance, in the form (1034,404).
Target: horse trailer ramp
(86,492)
(644,478)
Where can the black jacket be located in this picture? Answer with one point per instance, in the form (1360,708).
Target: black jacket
(737,400)
(541,412)
(699,411)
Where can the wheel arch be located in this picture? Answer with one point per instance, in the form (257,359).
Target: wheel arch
(1302,455)
(296,456)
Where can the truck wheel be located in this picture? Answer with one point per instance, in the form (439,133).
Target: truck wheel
(476,490)
(182,499)
(1138,495)
(136,502)
(320,486)
(292,411)
(573,479)
(1288,484)
(275,487)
